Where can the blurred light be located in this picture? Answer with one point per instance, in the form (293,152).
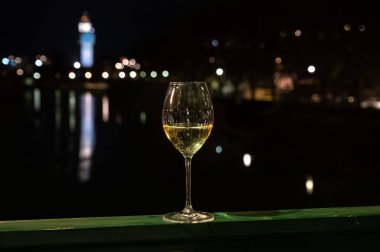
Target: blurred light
(84,27)
(132,62)
(316,98)
(57,75)
(119,66)
(105,109)
(219,71)
(347,27)
(36,75)
(105,75)
(153,74)
(309,184)
(165,73)
(11,57)
(132,74)
(351,99)
(121,75)
(282,34)
(18,60)
(72,103)
(278,60)
(5,61)
(298,33)
(143,117)
(13,63)
(20,72)
(125,62)
(215,43)
(142,74)
(38,63)
(361,28)
(43,58)
(247,159)
(211,60)
(28,81)
(58,115)
(311,69)
(72,75)
(218,149)
(88,75)
(76,65)
(137,66)
(37,99)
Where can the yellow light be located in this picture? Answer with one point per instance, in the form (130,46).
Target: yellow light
(278,60)
(18,60)
(347,27)
(88,75)
(309,184)
(105,75)
(72,75)
(43,58)
(351,99)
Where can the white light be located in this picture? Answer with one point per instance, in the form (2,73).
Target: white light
(105,75)
(214,43)
(311,69)
(165,73)
(119,66)
(72,75)
(298,33)
(20,72)
(218,149)
(153,74)
(125,62)
(247,159)
(219,71)
(132,74)
(36,75)
(121,75)
(76,65)
(38,63)
(132,62)
(309,184)
(5,61)
(88,75)
(142,74)
(84,27)
(18,60)
(351,99)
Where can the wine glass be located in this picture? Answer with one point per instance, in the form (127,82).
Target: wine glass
(187,118)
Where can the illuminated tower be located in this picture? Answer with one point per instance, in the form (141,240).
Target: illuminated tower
(86,40)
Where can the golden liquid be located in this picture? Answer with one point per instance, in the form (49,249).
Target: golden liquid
(187,138)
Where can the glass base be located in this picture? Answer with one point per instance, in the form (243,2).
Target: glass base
(188,218)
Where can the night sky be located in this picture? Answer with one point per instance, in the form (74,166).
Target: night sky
(142,27)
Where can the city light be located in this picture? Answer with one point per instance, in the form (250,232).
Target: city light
(88,75)
(165,73)
(137,66)
(125,62)
(142,74)
(119,66)
(282,34)
(219,71)
(36,75)
(105,75)
(247,159)
(105,109)
(18,60)
(278,60)
(362,28)
(298,33)
(132,62)
(211,60)
(143,117)
(351,99)
(309,184)
(215,43)
(218,149)
(153,74)
(5,61)
(121,75)
(311,69)
(132,74)
(20,72)
(38,62)
(43,58)
(76,65)
(72,75)
(347,27)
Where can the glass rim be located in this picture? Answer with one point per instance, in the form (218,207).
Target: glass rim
(186,82)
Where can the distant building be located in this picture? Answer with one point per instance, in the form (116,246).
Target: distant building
(86,40)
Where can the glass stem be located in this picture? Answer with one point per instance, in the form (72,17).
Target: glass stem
(188,207)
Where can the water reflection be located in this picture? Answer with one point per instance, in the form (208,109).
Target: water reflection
(57,95)
(37,99)
(72,103)
(87,136)
(105,109)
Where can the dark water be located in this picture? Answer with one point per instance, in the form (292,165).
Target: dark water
(69,152)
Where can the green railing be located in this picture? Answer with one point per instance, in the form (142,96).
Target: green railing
(349,228)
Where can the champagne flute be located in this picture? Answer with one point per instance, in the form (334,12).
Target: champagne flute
(187,118)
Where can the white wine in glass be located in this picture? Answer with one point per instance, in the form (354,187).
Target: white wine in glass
(187,118)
